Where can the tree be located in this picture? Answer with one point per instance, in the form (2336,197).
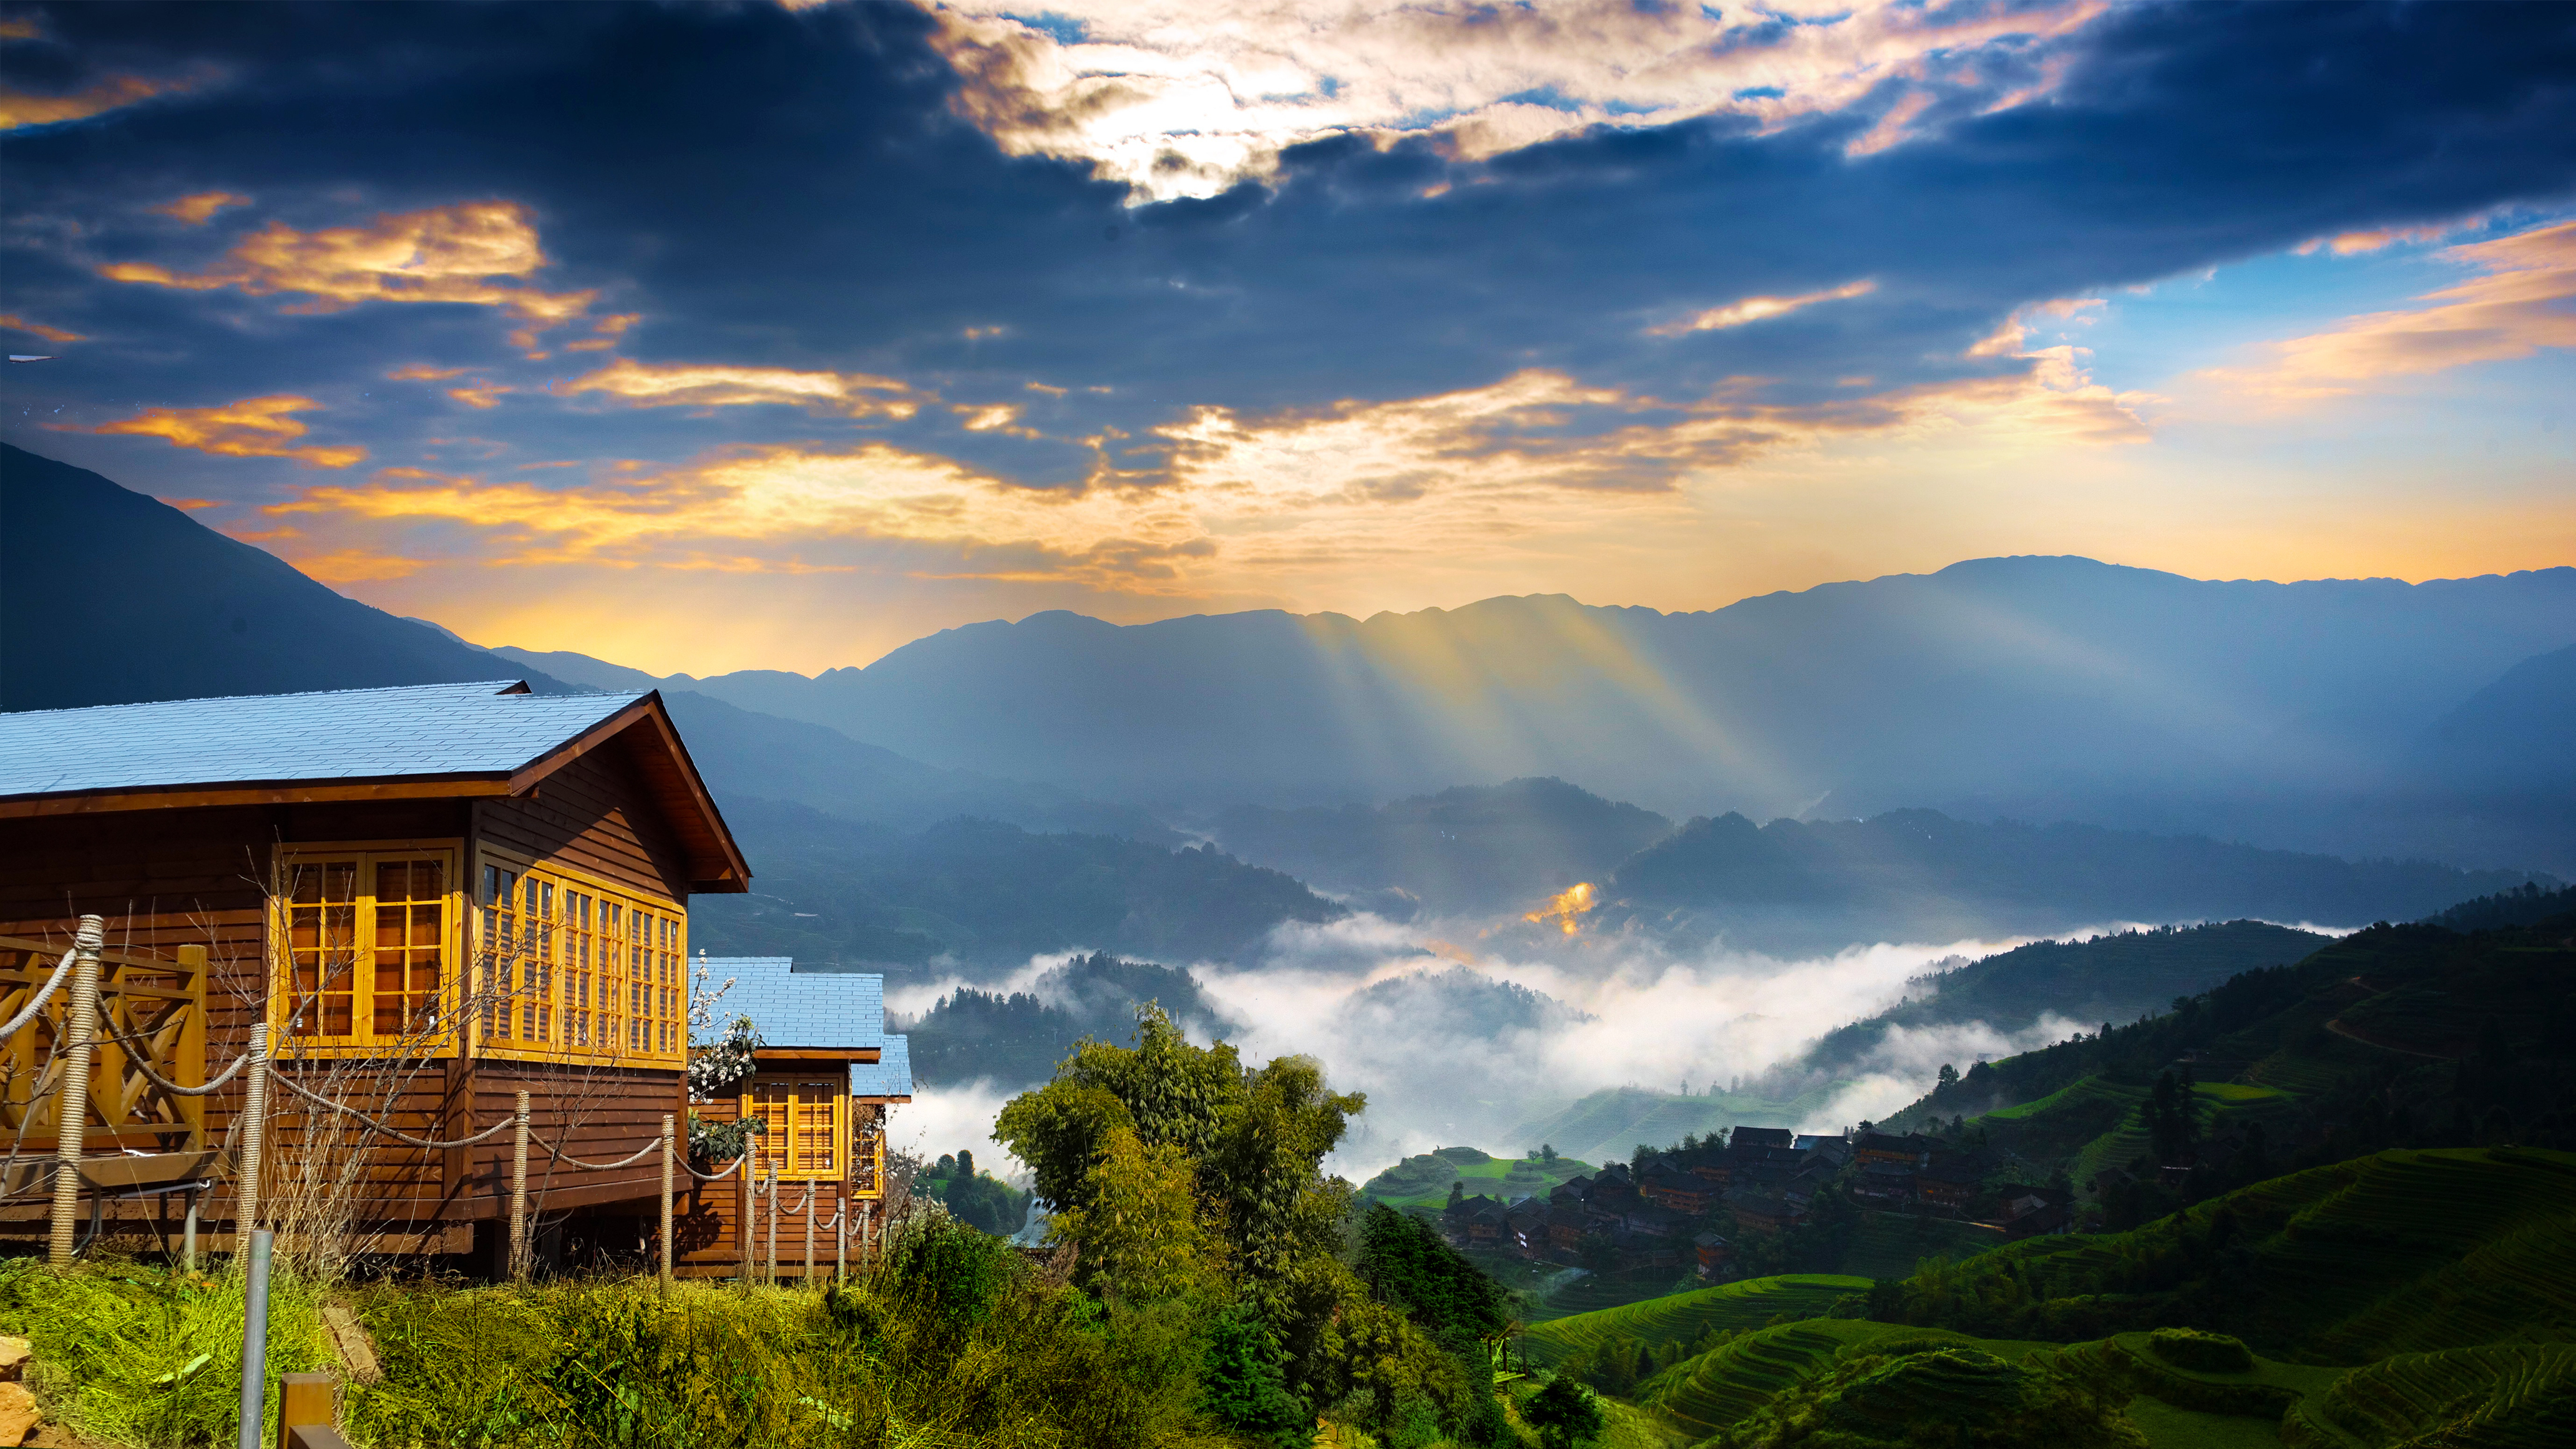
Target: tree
(1564,1413)
(1241,1387)
(1949,1077)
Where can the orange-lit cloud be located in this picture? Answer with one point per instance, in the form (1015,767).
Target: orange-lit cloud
(16,323)
(481,395)
(1754,309)
(423,372)
(849,394)
(479,253)
(2009,339)
(19,108)
(1200,504)
(2526,301)
(256,427)
(605,332)
(198,209)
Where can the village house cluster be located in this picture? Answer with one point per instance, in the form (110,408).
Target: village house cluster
(1692,1205)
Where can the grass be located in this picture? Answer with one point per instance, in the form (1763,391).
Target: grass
(1424,1181)
(1681,1317)
(2500,1396)
(1890,1245)
(2167,1427)
(1594,1293)
(955,1341)
(126,1354)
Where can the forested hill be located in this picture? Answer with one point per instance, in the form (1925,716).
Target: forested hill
(2113,978)
(990,894)
(1468,849)
(1925,870)
(1015,1039)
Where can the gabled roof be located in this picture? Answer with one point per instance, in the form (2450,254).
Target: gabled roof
(826,1010)
(889,1077)
(417,741)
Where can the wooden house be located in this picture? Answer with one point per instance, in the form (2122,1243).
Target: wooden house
(437,897)
(823,1079)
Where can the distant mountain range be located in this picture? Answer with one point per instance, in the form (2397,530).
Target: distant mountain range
(2360,716)
(1120,744)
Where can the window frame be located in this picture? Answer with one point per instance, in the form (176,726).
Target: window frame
(363,1040)
(559,1015)
(838,1095)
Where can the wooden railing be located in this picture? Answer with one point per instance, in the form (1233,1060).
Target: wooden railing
(159,1004)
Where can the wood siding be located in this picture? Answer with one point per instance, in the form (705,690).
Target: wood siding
(163,879)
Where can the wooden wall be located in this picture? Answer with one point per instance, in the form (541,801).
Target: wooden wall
(708,1222)
(197,876)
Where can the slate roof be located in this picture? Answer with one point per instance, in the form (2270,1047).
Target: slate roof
(888,1076)
(340,734)
(802,1008)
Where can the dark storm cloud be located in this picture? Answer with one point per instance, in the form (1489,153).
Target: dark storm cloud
(793,190)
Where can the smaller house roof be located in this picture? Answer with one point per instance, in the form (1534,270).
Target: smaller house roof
(792,1008)
(889,1076)
(1761,1137)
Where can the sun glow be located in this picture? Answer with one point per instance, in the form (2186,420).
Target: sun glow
(1566,908)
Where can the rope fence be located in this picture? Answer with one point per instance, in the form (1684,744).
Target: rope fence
(86,1019)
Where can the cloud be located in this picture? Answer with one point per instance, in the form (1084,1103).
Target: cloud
(1452,1055)
(481,395)
(1186,99)
(424,372)
(476,253)
(1755,309)
(256,427)
(847,394)
(2526,301)
(196,210)
(108,93)
(16,323)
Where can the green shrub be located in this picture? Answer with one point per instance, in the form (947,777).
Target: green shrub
(139,1356)
(2208,1353)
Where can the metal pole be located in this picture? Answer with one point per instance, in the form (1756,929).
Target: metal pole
(71,1117)
(519,1194)
(666,1199)
(254,1134)
(771,1276)
(254,1383)
(188,1239)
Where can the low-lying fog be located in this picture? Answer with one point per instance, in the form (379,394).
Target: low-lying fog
(1456,1046)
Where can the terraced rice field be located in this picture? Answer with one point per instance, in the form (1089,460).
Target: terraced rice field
(1890,1245)
(1681,1317)
(2433,1249)
(2503,1396)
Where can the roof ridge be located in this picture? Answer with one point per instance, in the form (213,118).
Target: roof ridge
(499,687)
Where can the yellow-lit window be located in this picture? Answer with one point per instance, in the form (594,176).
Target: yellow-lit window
(565,968)
(805,1127)
(367,941)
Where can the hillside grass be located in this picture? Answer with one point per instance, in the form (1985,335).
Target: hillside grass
(1681,1317)
(1423,1181)
(2499,1396)
(1893,1245)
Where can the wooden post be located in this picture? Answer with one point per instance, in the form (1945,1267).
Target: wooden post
(519,1193)
(71,1114)
(747,1187)
(666,1199)
(841,1226)
(254,1135)
(303,1402)
(812,1192)
(771,1276)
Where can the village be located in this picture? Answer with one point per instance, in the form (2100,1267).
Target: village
(1698,1205)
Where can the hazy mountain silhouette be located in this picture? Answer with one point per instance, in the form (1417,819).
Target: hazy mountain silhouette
(2034,687)
(1920,875)
(111,597)
(1468,849)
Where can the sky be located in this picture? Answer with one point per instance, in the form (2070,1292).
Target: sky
(707,337)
